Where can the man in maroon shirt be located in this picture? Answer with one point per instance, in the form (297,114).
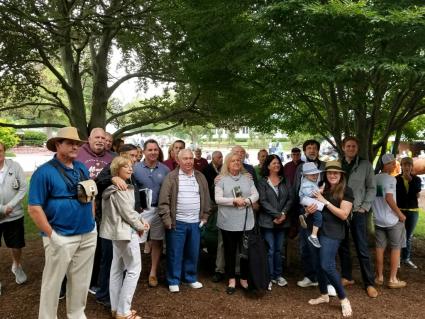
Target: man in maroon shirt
(290,167)
(93,154)
(200,162)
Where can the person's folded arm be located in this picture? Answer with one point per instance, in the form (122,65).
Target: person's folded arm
(220,199)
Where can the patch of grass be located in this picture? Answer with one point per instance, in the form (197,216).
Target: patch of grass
(31,231)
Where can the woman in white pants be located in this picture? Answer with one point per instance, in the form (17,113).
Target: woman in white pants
(123,225)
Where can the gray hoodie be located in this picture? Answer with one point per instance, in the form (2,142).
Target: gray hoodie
(119,219)
(12,191)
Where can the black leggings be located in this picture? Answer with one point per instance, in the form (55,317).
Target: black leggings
(231,240)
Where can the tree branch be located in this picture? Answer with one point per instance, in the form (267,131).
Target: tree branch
(152,130)
(34,125)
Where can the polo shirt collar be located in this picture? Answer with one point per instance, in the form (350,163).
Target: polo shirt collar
(183,173)
(145,165)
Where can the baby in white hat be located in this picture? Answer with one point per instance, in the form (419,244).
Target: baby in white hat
(309,185)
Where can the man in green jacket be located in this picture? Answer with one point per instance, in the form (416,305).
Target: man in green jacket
(361,180)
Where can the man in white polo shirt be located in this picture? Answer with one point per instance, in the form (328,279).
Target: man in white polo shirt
(184,205)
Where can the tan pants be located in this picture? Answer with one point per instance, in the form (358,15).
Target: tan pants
(71,256)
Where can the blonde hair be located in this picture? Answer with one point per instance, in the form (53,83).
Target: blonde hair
(225,168)
(117,163)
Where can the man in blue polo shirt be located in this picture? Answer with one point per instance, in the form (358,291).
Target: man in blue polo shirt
(149,175)
(67,226)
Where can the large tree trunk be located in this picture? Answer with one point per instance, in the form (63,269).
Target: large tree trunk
(363,134)
(100,95)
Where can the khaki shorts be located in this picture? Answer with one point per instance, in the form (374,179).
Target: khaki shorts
(395,236)
(157,230)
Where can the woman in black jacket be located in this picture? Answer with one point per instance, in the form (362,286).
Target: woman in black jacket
(407,192)
(276,200)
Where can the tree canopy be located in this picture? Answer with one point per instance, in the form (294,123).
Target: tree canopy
(332,67)
(55,58)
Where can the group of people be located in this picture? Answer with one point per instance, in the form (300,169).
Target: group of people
(95,246)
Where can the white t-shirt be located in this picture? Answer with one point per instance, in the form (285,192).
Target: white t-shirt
(384,216)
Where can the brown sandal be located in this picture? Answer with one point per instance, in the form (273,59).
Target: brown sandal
(133,315)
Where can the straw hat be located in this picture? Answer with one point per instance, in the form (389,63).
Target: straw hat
(68,133)
(334,166)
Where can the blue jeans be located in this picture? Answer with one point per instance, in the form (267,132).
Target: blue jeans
(317,218)
(306,253)
(325,262)
(274,238)
(105,269)
(183,243)
(410,224)
(358,229)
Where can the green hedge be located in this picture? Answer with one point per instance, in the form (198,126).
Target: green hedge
(33,138)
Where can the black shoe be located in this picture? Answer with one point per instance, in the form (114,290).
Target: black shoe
(218,276)
(104,302)
(230,290)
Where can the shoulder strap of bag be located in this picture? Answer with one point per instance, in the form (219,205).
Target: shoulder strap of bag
(246,215)
(65,178)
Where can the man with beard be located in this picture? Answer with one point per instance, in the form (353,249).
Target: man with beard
(311,151)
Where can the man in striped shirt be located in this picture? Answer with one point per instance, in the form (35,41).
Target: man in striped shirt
(184,206)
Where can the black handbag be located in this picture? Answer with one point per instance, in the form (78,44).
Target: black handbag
(253,247)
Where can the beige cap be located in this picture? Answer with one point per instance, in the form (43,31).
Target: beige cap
(65,133)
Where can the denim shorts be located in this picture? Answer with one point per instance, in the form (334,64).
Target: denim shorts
(395,236)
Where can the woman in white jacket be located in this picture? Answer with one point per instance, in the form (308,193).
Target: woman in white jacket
(122,224)
(13,187)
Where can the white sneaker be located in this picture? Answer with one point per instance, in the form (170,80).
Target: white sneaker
(281,281)
(196,285)
(306,282)
(269,288)
(331,291)
(174,288)
(20,276)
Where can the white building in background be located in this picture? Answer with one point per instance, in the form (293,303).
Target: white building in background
(243,132)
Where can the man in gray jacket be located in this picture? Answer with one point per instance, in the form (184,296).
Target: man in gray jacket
(13,186)
(361,180)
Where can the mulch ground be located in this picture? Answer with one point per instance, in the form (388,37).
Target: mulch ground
(212,301)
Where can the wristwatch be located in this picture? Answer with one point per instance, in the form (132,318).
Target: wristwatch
(327,203)
(283,213)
